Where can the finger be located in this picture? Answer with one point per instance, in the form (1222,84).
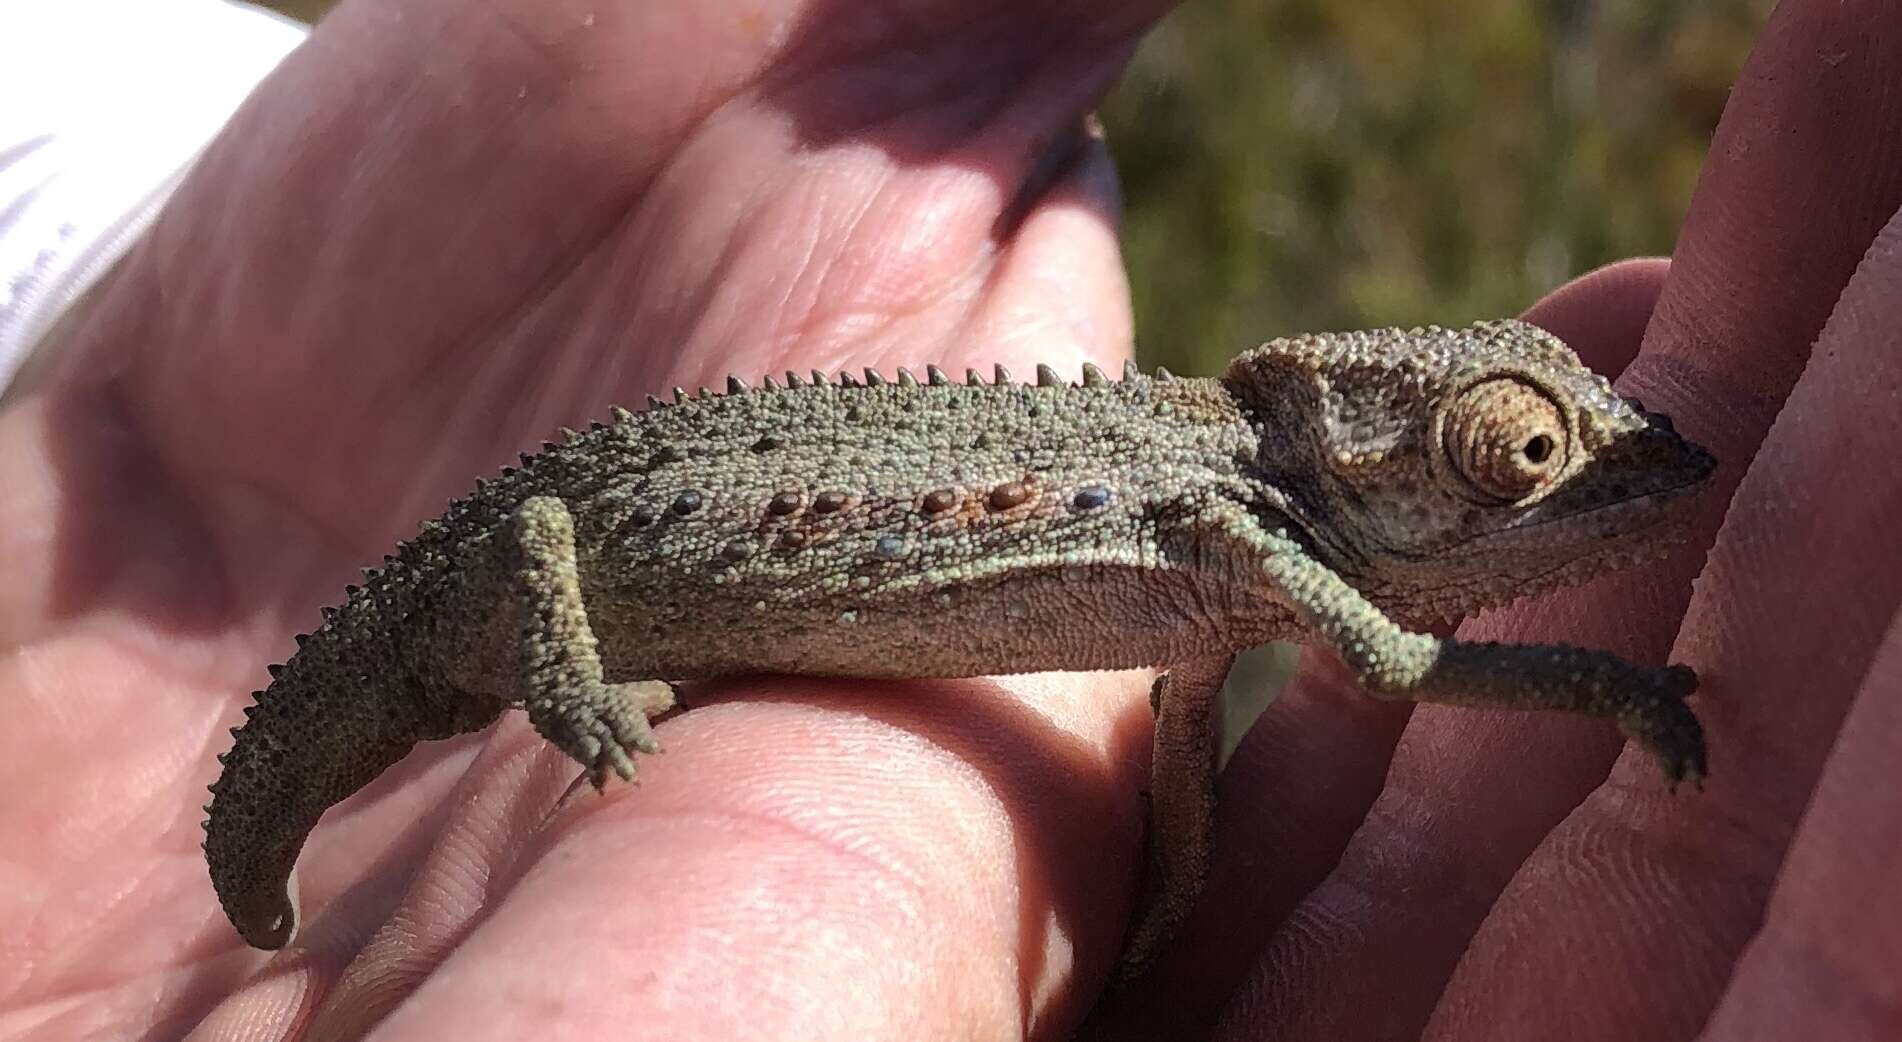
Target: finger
(1690,876)
(1286,802)
(1824,964)
(1602,314)
(817,861)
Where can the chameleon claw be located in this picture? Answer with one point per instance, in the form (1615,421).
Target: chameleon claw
(622,764)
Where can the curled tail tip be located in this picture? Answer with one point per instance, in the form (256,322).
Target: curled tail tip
(262,911)
(266,919)
(251,844)
(327,724)
(259,900)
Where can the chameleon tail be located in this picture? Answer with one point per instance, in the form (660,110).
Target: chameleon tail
(335,716)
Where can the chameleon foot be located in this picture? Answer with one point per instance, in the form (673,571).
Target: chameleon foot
(602,725)
(1660,722)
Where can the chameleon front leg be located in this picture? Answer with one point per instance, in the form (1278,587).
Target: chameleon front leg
(1181,803)
(1647,703)
(526,592)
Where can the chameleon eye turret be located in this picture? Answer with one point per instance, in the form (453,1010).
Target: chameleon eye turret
(1507,438)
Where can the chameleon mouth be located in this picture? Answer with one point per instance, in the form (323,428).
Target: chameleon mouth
(1602,537)
(1632,487)
(1497,572)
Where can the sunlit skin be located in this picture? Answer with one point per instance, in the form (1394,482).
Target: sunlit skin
(443,230)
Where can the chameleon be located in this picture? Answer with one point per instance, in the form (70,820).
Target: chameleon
(1347,490)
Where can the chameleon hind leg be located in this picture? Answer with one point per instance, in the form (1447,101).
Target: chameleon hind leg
(535,634)
(1181,804)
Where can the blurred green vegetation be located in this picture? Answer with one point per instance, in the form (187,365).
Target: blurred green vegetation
(1323,164)
(302,10)
(1298,165)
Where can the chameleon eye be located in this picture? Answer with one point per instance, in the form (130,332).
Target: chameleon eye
(1506,438)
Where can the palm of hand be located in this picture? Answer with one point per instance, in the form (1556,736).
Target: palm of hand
(423,248)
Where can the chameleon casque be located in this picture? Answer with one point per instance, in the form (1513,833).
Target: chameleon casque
(1347,490)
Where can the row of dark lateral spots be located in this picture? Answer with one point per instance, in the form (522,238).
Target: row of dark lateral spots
(936,503)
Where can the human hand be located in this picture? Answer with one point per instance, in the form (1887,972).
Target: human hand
(438,233)
(820,859)
(1452,874)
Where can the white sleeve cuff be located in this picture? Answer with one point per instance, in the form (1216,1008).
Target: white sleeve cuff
(104,105)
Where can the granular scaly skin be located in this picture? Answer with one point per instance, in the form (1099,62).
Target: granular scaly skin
(1346,490)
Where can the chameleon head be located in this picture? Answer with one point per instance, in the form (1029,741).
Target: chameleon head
(1443,471)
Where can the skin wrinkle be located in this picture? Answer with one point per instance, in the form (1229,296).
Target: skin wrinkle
(913,303)
(420,933)
(1829,922)
(910,883)
(787,334)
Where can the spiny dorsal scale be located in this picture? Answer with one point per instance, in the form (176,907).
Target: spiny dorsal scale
(653,402)
(905,379)
(680,395)
(769,383)
(735,385)
(1093,377)
(793,380)
(971,377)
(847,379)
(703,392)
(1000,375)
(873,378)
(569,434)
(1047,377)
(1163,375)
(819,379)
(620,415)
(1130,371)
(935,376)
